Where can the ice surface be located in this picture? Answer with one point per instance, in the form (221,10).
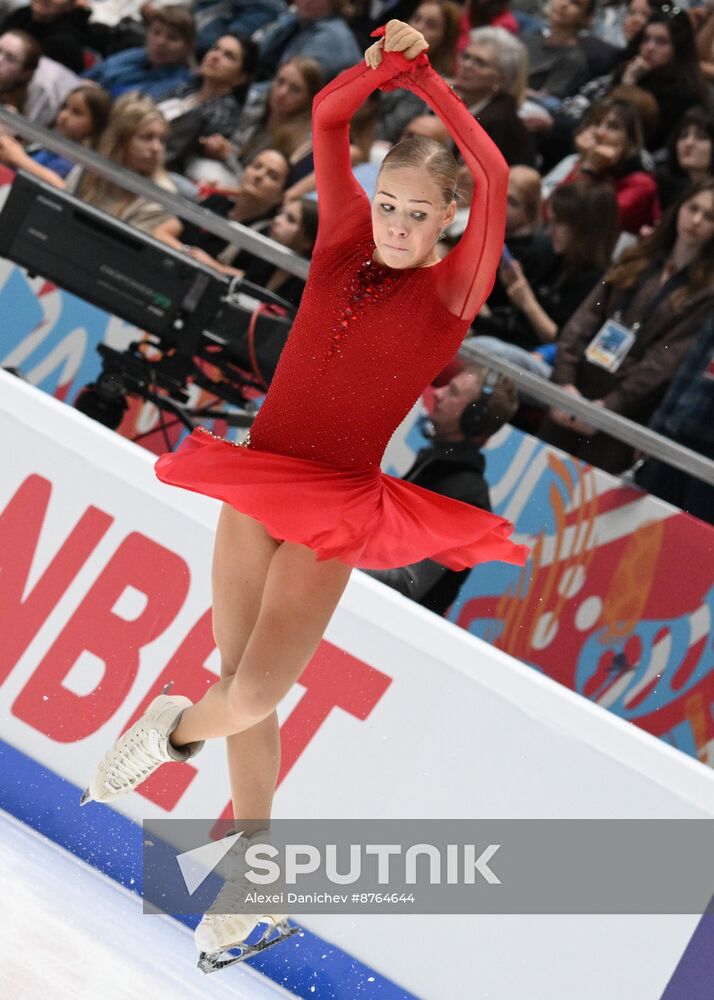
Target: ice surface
(66,931)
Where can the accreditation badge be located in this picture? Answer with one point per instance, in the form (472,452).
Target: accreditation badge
(610,345)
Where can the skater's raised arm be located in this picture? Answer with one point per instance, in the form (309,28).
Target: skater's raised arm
(340,196)
(470,269)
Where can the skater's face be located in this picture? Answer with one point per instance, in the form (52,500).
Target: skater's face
(408,215)
(451,400)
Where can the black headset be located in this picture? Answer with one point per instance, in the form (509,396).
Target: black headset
(476,418)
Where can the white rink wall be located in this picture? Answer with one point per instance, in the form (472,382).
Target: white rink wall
(401,713)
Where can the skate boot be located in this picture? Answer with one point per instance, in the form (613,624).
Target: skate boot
(142,748)
(226,925)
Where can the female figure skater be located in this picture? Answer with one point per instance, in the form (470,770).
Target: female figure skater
(304,497)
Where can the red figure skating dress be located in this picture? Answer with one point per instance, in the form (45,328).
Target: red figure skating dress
(365,343)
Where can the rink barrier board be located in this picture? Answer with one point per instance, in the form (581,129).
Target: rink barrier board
(649,660)
(80,444)
(305,965)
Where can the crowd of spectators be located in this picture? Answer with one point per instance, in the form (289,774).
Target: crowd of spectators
(603,109)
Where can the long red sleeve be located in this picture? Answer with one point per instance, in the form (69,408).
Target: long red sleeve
(469,271)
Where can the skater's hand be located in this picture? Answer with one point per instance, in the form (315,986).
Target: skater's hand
(398,37)
(401,37)
(373,55)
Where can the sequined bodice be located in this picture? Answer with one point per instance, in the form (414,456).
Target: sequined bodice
(365,343)
(367,338)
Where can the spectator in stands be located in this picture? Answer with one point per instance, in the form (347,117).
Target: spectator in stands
(660,59)
(557,64)
(704,27)
(690,155)
(211,103)
(135,139)
(295,226)
(490,79)
(158,67)
(623,344)
(313,28)
(234,17)
(686,415)
(438,20)
(280,116)
(526,241)
(583,228)
(19,58)
(609,148)
(82,118)
(439,23)
(486,14)
(616,21)
(252,203)
(453,466)
(61,27)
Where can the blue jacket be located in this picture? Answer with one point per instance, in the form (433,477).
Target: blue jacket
(328,40)
(131,70)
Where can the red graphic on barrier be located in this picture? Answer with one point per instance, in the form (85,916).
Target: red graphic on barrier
(333,678)
(163,578)
(21,614)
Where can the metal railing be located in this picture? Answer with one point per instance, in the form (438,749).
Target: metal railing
(231,232)
(639,437)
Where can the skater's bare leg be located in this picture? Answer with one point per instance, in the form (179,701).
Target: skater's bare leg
(242,553)
(299,598)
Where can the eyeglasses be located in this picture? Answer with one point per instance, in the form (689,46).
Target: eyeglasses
(478,61)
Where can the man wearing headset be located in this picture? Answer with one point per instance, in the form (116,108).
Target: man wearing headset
(466,411)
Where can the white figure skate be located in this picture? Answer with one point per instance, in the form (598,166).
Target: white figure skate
(226,925)
(143,747)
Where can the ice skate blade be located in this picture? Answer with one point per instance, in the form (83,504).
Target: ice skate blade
(212,961)
(86,797)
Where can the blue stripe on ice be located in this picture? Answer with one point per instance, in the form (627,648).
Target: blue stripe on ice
(305,964)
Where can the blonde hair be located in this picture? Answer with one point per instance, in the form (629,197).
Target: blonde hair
(419,151)
(130,113)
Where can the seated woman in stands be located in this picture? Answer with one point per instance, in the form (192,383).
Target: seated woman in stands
(525,238)
(609,147)
(690,155)
(82,118)
(491,79)
(252,203)
(277,117)
(624,343)
(295,226)
(135,138)
(661,59)
(211,103)
(440,23)
(583,229)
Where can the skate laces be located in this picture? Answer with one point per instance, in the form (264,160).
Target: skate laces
(135,760)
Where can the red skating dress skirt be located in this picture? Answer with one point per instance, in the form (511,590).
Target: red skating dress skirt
(365,343)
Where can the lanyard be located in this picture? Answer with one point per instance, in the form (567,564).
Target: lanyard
(670,285)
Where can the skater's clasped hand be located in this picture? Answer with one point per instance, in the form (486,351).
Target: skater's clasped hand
(399,37)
